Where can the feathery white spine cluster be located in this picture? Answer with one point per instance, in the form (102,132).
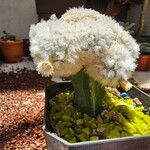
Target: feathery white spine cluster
(83,39)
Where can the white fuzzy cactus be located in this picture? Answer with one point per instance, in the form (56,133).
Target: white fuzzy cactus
(83,39)
(91,48)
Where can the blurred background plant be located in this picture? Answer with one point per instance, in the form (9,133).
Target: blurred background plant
(8,37)
(145,47)
(128,26)
(114,8)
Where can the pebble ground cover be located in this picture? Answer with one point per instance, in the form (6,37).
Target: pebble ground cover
(21,110)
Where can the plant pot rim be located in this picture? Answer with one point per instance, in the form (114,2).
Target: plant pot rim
(11,42)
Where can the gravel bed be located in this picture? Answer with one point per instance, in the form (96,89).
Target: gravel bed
(30,139)
(21,110)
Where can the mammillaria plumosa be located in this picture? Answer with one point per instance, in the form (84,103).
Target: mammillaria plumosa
(84,43)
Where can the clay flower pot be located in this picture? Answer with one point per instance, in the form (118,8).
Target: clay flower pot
(12,51)
(143,62)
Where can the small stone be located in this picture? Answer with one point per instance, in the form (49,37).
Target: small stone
(123,95)
(137,101)
(94,138)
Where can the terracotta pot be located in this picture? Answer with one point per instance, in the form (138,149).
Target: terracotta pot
(12,51)
(143,62)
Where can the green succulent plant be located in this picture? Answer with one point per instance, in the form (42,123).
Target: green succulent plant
(8,37)
(145,47)
(128,26)
(120,118)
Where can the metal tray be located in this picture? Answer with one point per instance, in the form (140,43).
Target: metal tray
(54,142)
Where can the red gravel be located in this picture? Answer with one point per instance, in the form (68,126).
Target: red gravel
(30,139)
(21,110)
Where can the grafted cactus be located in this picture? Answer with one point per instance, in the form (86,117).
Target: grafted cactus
(91,48)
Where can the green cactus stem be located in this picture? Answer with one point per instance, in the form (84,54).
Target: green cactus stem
(89,94)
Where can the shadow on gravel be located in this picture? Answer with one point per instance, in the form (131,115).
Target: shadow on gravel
(6,136)
(24,80)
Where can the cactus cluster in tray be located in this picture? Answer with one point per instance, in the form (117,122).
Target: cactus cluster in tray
(120,117)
